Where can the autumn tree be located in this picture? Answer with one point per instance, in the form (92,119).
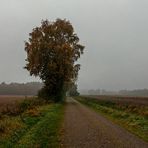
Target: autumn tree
(52,50)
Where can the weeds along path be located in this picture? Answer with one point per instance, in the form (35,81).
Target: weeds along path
(84,128)
(37,127)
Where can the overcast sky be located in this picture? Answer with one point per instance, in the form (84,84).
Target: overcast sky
(114,32)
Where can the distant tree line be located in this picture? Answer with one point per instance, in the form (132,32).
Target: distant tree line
(30,88)
(137,92)
(97,92)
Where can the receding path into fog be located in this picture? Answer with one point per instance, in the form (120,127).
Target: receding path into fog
(84,128)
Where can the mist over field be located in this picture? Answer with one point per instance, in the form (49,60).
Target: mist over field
(114,32)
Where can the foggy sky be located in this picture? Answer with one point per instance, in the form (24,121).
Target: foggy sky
(114,32)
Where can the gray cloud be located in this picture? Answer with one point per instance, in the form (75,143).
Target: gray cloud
(115,33)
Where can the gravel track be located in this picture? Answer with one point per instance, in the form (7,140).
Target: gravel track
(84,128)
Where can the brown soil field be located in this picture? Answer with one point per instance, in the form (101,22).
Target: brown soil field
(9,101)
(122,99)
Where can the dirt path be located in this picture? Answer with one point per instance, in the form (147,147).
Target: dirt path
(84,128)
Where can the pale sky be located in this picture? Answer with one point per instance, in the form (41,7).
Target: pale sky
(114,32)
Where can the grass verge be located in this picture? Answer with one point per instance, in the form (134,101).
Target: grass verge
(36,127)
(122,115)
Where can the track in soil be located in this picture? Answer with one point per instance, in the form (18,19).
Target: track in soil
(84,128)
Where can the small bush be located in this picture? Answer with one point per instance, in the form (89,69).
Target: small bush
(42,93)
(33,112)
(1,116)
(2,128)
(24,105)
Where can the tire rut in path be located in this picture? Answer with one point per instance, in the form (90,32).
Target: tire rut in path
(84,128)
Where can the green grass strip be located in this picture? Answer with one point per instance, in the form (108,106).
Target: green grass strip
(38,127)
(45,132)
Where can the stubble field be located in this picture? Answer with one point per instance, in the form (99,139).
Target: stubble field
(7,101)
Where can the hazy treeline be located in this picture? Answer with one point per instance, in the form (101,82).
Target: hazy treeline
(137,92)
(97,92)
(30,88)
